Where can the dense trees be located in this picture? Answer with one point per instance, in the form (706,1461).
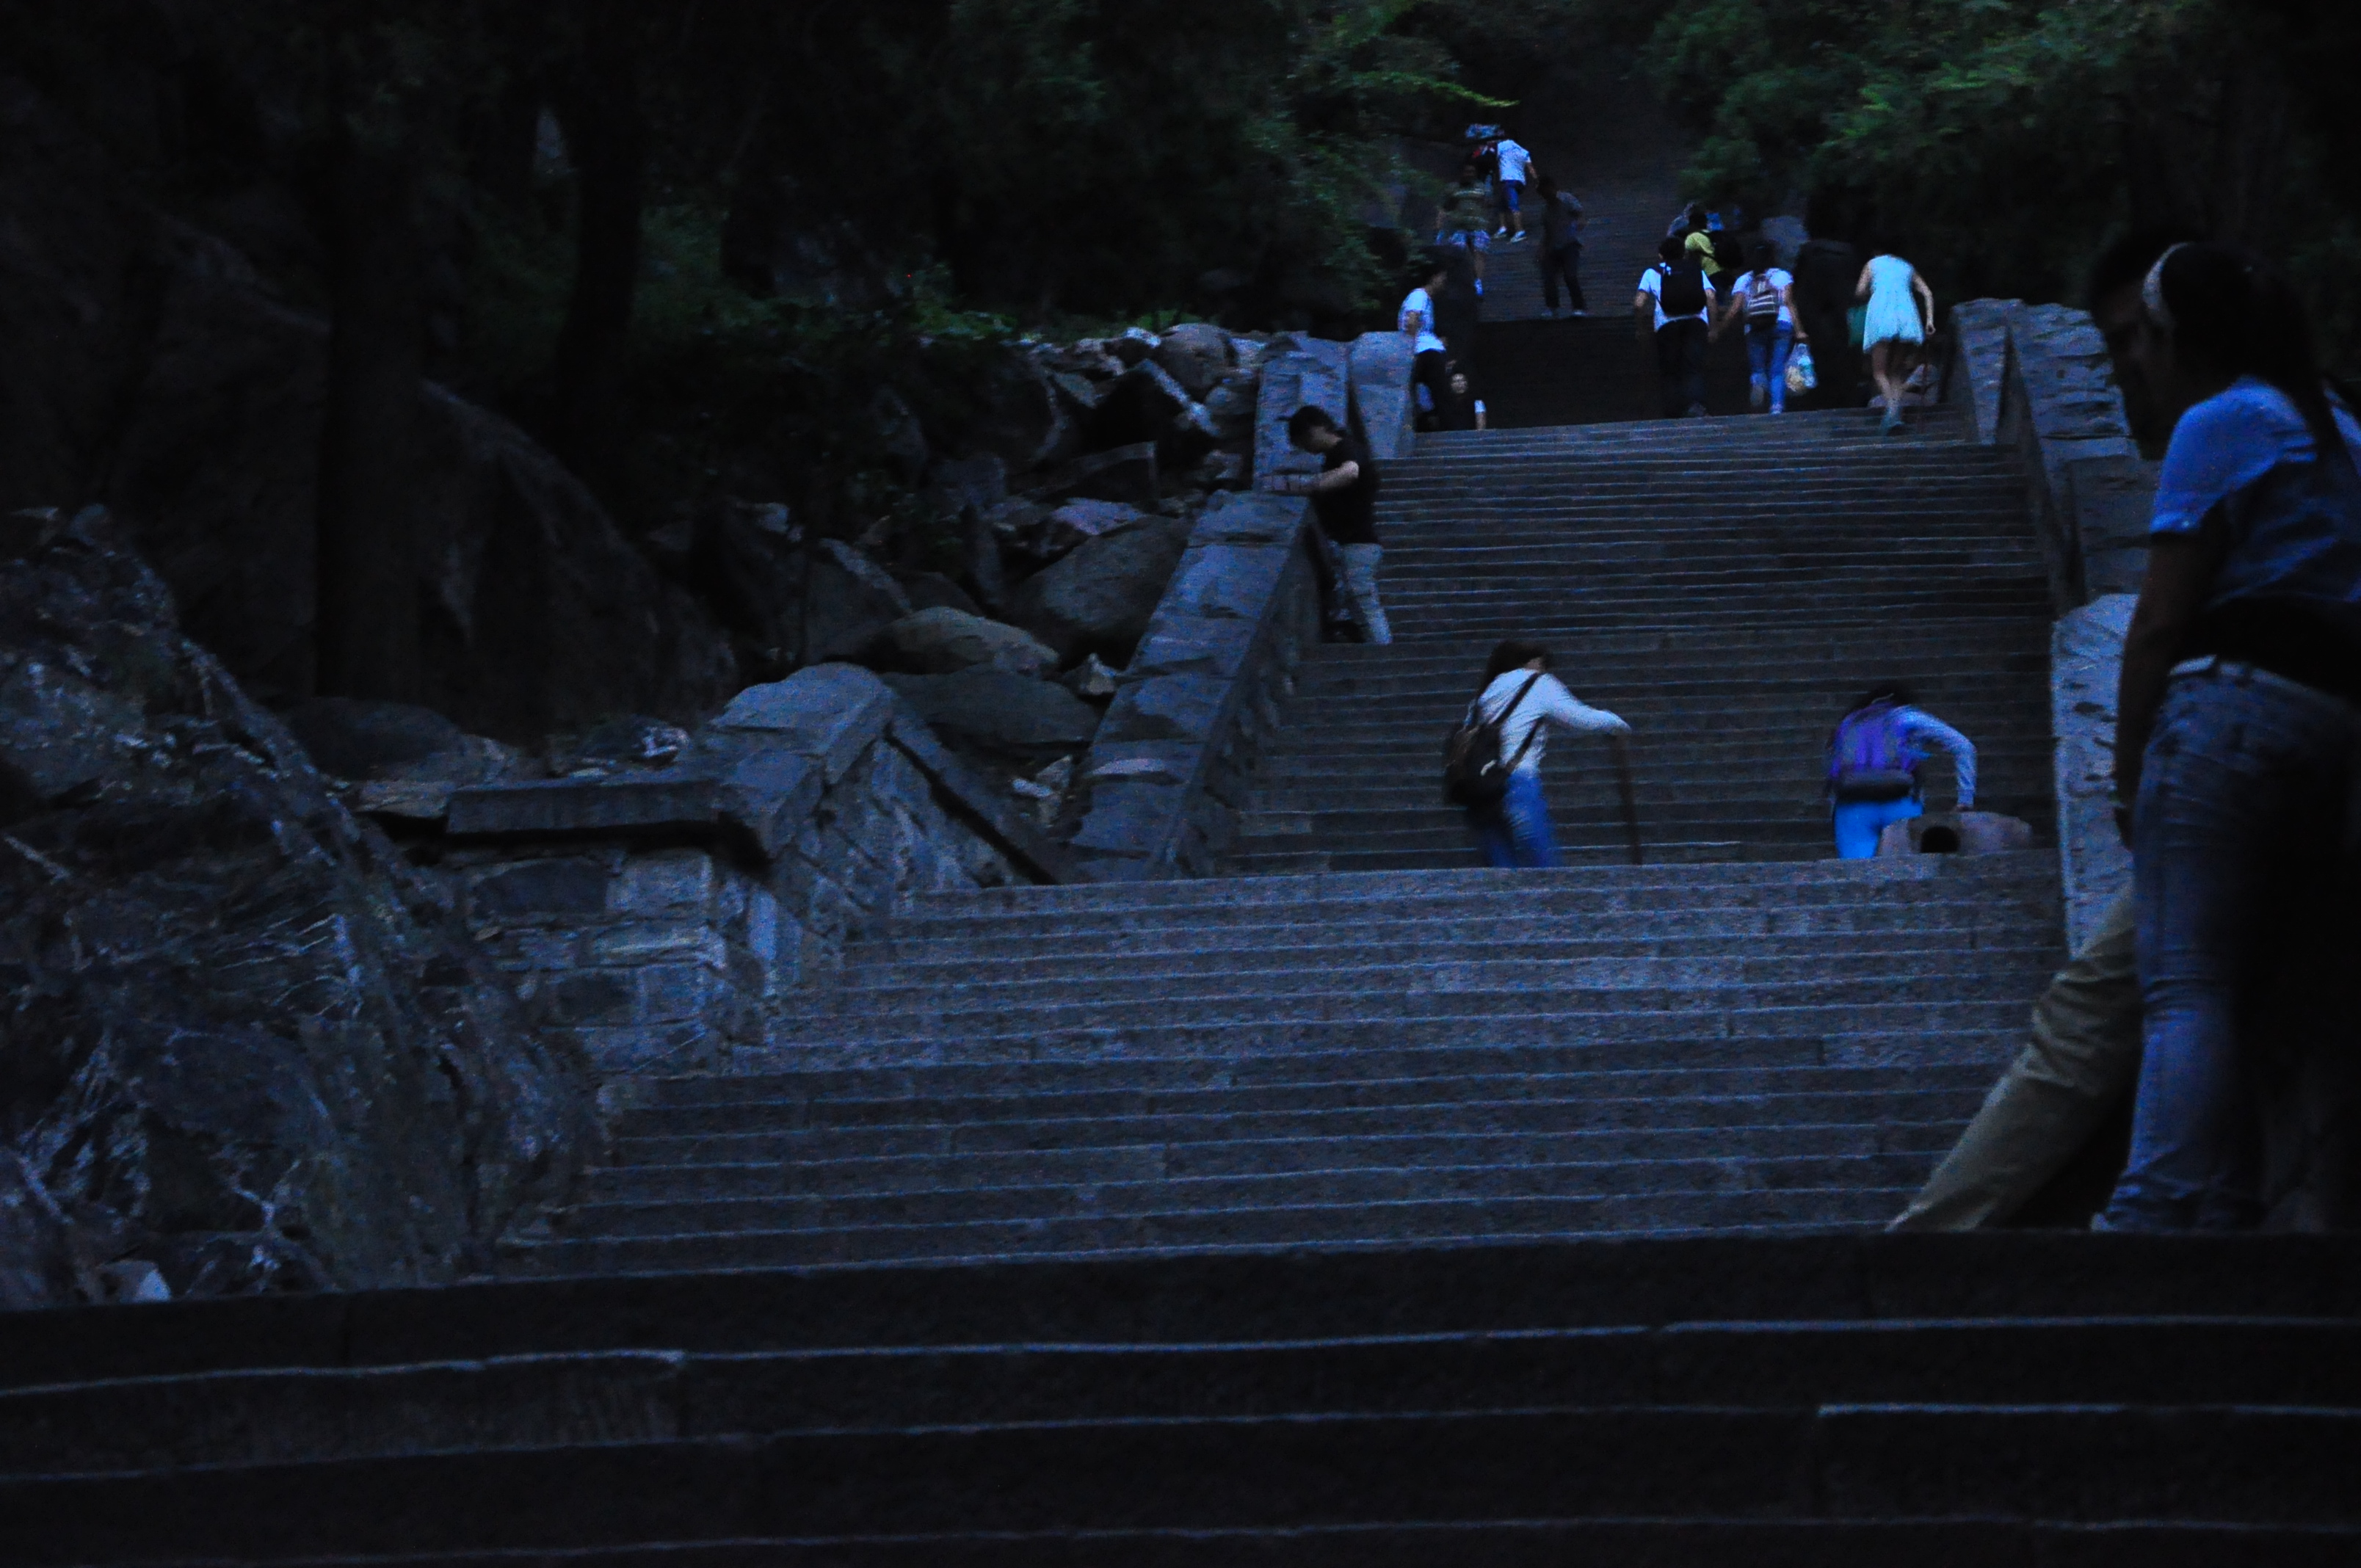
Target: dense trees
(1999,141)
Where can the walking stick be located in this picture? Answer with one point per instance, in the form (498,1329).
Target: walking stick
(1621,751)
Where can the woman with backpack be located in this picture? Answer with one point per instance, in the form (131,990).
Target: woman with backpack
(1763,297)
(1493,768)
(2238,737)
(1900,319)
(1874,757)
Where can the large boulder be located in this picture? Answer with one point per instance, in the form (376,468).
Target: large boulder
(944,641)
(150,367)
(1195,354)
(999,711)
(248,1044)
(1097,598)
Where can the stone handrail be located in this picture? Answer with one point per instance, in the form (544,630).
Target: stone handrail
(2038,382)
(1164,773)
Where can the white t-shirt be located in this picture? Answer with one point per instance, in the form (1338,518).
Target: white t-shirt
(1548,703)
(1781,279)
(1515,162)
(1420,307)
(1651,283)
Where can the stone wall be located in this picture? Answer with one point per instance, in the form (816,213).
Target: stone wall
(1168,768)
(659,917)
(2036,381)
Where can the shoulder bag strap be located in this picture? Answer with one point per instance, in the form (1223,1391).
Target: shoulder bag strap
(1526,744)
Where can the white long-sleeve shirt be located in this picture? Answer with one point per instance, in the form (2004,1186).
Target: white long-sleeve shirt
(1548,703)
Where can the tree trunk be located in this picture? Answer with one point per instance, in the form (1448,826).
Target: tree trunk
(606,137)
(365,615)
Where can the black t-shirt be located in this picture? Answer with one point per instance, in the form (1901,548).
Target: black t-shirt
(1348,515)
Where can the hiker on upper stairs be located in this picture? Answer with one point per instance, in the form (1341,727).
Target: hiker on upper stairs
(1562,221)
(1874,758)
(1418,322)
(1901,319)
(1464,227)
(1675,301)
(1762,298)
(1344,505)
(1516,167)
(2238,737)
(1523,699)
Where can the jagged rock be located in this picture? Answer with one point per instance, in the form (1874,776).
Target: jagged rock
(1140,405)
(1126,474)
(932,590)
(1230,408)
(961,485)
(1098,598)
(944,641)
(1082,394)
(1001,711)
(1135,345)
(1091,679)
(1018,417)
(1196,356)
(1078,521)
(264,1053)
(634,741)
(353,739)
(899,431)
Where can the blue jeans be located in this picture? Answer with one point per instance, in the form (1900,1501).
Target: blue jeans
(1517,836)
(1859,822)
(1766,351)
(2242,797)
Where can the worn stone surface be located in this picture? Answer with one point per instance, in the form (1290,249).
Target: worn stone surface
(943,642)
(1292,381)
(245,1041)
(1002,712)
(1195,354)
(1098,598)
(1379,365)
(1078,521)
(2085,662)
(2060,406)
(2112,501)
(1126,474)
(1979,371)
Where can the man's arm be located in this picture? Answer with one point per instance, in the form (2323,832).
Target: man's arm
(1643,306)
(2180,568)
(1920,725)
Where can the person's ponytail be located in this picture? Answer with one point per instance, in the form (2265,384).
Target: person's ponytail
(2233,313)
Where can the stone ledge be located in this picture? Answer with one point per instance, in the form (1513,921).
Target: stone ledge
(585,805)
(2085,662)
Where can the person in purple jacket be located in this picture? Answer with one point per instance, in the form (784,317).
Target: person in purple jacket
(1873,761)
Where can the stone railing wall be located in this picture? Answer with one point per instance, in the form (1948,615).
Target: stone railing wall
(659,915)
(2036,381)
(1170,765)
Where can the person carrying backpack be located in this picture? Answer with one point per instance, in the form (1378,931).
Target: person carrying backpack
(1492,766)
(1873,761)
(1764,298)
(1675,299)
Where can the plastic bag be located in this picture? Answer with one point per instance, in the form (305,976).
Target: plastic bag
(1801,376)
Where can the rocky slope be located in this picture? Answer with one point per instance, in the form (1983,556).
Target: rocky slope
(245,1045)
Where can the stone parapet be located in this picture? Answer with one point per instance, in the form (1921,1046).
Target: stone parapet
(1166,773)
(660,917)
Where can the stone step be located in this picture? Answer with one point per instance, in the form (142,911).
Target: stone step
(1543,1102)
(1899,935)
(1438,1221)
(1839,1462)
(645,1180)
(1952,1029)
(1629,1068)
(275,1415)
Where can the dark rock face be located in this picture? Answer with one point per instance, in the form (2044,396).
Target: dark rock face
(245,1041)
(1098,598)
(150,367)
(1000,711)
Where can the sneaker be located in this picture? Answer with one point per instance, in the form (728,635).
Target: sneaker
(1893,424)
(1516,238)
(1501,233)
(1479,288)
(1577,313)
(1696,410)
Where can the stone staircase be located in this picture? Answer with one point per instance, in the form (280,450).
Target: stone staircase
(1357,1207)
(1729,587)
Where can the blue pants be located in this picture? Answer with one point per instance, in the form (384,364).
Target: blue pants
(1517,836)
(1859,822)
(2242,793)
(1766,351)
